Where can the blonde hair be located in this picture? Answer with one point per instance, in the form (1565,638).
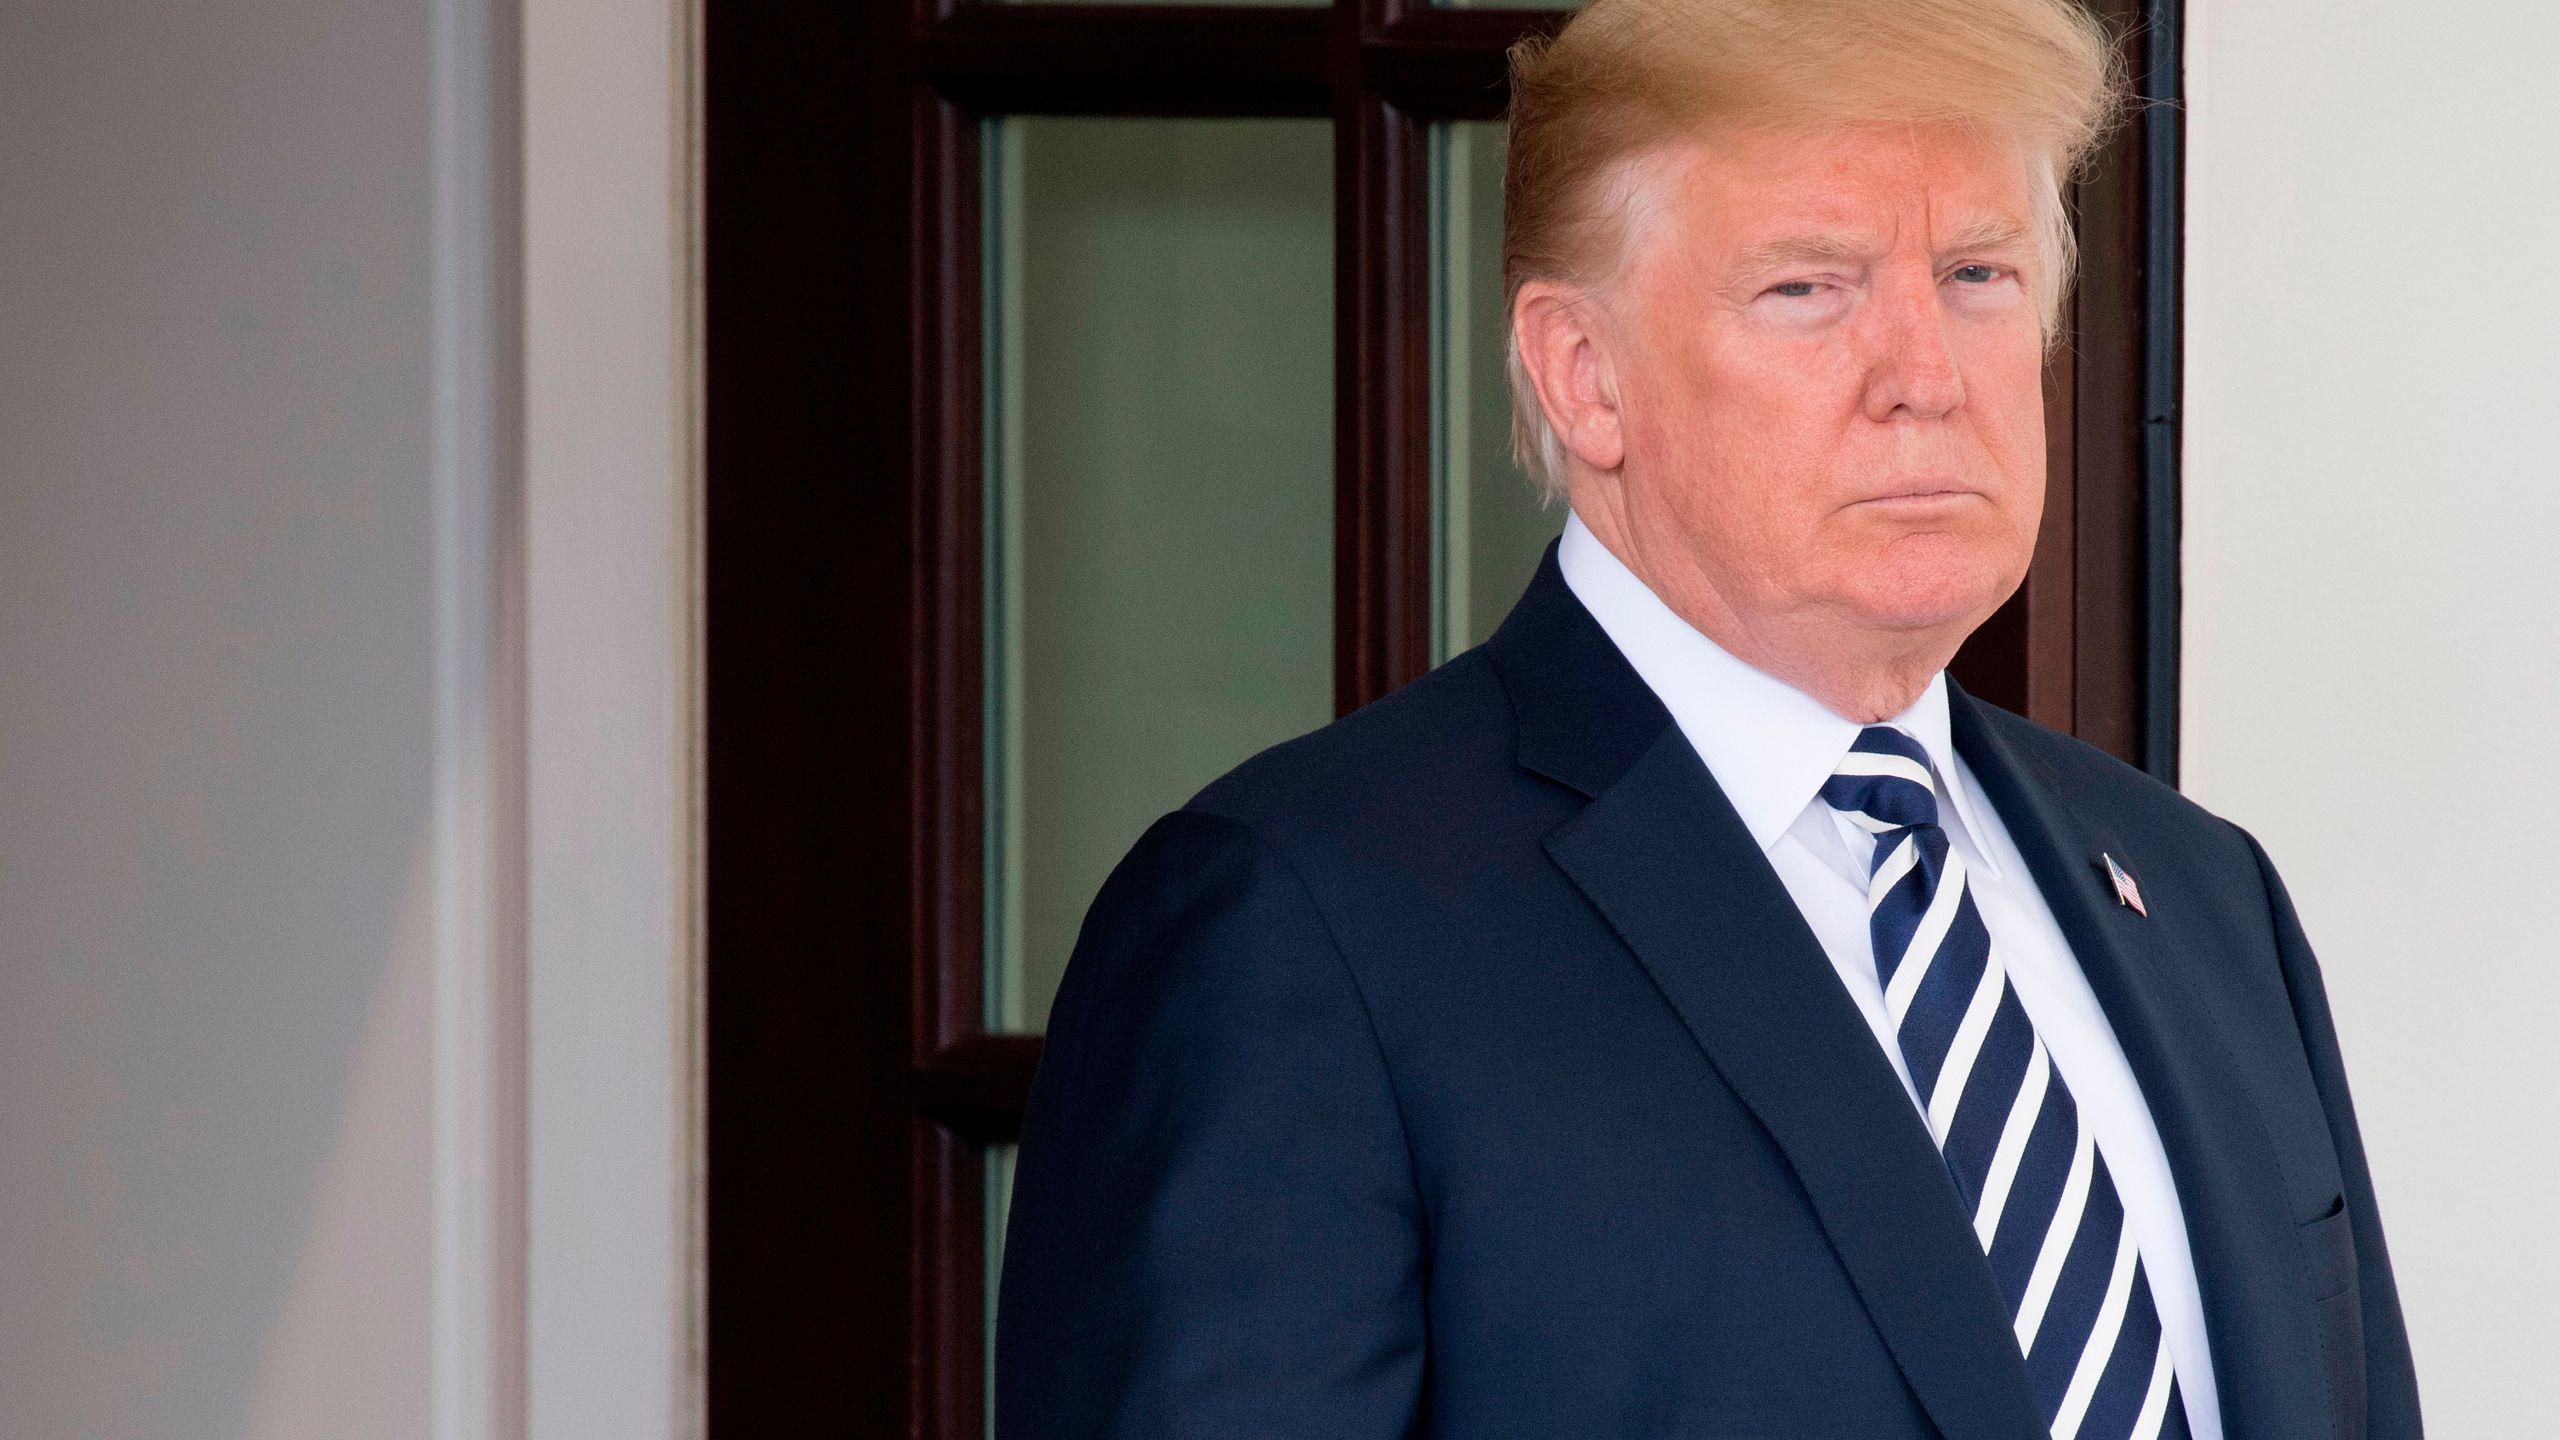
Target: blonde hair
(1625,77)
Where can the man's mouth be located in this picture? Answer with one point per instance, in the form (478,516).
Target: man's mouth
(1920,492)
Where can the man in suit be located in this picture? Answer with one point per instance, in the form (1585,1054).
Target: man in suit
(1689,1013)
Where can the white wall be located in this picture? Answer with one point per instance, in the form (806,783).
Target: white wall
(216,719)
(2372,622)
(346,720)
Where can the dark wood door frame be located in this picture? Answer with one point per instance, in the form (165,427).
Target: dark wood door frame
(850,1084)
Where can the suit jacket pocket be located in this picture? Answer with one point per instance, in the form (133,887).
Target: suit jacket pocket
(2328,1251)
(2329,1261)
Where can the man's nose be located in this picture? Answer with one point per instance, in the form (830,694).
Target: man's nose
(1912,369)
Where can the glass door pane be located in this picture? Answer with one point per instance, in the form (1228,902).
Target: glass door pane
(1489,527)
(1159,567)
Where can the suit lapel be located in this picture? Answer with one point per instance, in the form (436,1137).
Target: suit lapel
(1661,853)
(1664,857)
(2268,1365)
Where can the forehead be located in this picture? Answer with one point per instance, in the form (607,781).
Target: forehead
(1847,188)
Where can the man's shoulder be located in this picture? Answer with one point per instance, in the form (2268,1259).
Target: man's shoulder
(2092,782)
(1412,761)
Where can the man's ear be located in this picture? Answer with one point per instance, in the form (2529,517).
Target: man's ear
(1567,348)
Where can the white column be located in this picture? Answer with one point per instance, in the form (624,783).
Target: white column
(613,617)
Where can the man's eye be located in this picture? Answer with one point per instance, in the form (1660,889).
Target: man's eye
(1976,274)
(1793,289)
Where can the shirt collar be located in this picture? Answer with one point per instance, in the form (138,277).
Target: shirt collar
(1769,745)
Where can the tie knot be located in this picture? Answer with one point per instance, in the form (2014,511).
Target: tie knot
(1883,783)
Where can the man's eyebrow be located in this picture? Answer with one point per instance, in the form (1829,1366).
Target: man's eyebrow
(1990,233)
(1819,249)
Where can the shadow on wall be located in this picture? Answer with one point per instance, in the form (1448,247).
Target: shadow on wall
(348,1352)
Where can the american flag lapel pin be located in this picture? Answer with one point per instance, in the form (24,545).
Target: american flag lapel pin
(2127,893)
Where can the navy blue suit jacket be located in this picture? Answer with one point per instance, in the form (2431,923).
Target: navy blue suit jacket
(1463,1069)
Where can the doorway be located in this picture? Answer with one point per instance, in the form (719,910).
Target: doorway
(1096,395)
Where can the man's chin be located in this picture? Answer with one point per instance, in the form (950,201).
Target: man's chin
(1934,604)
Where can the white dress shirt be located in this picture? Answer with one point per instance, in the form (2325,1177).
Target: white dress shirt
(1770,747)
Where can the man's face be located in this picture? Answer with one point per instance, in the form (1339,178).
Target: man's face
(1829,375)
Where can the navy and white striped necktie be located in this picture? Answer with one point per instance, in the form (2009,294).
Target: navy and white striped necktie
(2043,1206)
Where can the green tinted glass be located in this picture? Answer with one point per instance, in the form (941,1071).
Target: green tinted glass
(998,1163)
(1159,567)
(1490,528)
